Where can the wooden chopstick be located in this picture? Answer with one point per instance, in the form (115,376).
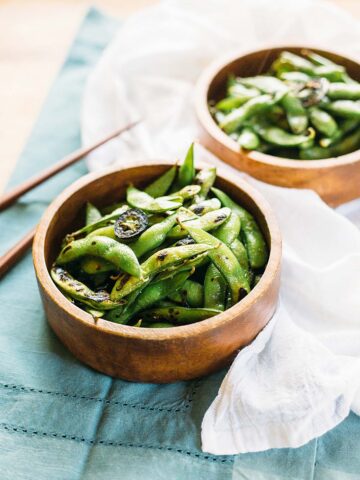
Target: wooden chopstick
(8,198)
(13,255)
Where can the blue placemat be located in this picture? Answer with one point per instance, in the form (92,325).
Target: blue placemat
(59,420)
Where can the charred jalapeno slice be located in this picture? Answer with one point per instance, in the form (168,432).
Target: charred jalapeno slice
(130,224)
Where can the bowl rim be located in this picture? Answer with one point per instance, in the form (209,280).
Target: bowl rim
(208,122)
(107,327)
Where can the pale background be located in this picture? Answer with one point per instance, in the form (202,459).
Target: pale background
(34,38)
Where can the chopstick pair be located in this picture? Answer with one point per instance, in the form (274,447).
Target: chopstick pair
(11,257)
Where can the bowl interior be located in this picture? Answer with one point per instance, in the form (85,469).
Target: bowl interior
(256,63)
(111,187)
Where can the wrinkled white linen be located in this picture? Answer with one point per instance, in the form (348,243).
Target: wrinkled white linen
(301,375)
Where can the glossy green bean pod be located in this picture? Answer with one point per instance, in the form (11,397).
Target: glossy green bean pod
(344,108)
(143,201)
(191,294)
(214,289)
(161,185)
(248,139)
(346,126)
(121,256)
(225,261)
(229,230)
(186,193)
(205,178)
(92,214)
(280,137)
(154,236)
(323,122)
(151,294)
(343,91)
(159,261)
(295,112)
(80,292)
(240,253)
(207,222)
(107,231)
(178,315)
(255,242)
(102,222)
(205,206)
(265,84)
(237,117)
(186,172)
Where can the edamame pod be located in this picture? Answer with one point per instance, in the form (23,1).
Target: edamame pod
(92,214)
(151,294)
(344,91)
(161,185)
(187,169)
(214,289)
(344,108)
(121,256)
(205,178)
(323,122)
(190,293)
(237,117)
(186,193)
(159,261)
(143,201)
(295,113)
(248,139)
(154,236)
(207,222)
(225,261)
(179,315)
(254,239)
(205,206)
(280,137)
(107,231)
(265,84)
(102,222)
(79,291)
(229,230)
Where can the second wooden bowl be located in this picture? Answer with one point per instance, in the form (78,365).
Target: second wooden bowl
(336,180)
(150,354)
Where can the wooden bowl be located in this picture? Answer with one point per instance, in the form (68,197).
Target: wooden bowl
(336,180)
(149,354)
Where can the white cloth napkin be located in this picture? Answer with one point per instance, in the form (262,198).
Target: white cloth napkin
(301,375)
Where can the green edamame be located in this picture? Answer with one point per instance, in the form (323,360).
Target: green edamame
(151,294)
(81,292)
(298,89)
(158,262)
(225,261)
(92,214)
(207,222)
(186,275)
(121,256)
(255,242)
(189,294)
(143,201)
(162,184)
(205,178)
(178,315)
(214,289)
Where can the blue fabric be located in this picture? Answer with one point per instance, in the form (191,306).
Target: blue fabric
(60,420)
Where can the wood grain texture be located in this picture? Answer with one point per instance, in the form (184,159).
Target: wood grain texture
(336,180)
(151,355)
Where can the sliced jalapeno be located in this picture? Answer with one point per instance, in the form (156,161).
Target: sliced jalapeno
(131,224)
